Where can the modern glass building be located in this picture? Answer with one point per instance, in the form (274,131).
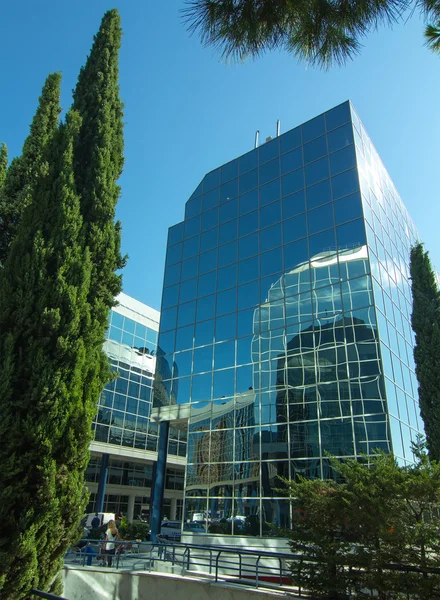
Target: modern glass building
(125,440)
(285,323)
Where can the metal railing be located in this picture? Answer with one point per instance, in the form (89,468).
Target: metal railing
(46,595)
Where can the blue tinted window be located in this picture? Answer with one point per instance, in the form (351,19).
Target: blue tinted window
(313,128)
(270,237)
(192,227)
(193,207)
(292,182)
(188,290)
(175,234)
(295,254)
(205,308)
(245,319)
(248,161)
(229,210)
(247,295)
(230,171)
(248,246)
(316,149)
(202,386)
(269,171)
(184,338)
(270,214)
(191,247)
(209,239)
(348,208)
(207,261)
(227,232)
(268,151)
(229,190)
(318,194)
(174,254)
(203,360)
(248,270)
(227,254)
(295,229)
(248,223)
(351,234)
(291,161)
(204,333)
(226,302)
(271,262)
(198,190)
(224,355)
(322,242)
(342,160)
(189,268)
(211,199)
(269,192)
(345,183)
(248,181)
(320,218)
(166,342)
(225,328)
(294,205)
(226,277)
(211,180)
(339,138)
(170,296)
(186,314)
(223,383)
(337,116)
(209,219)
(168,319)
(316,171)
(207,284)
(172,274)
(248,202)
(183,362)
(290,140)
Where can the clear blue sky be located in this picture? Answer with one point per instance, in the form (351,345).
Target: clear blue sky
(186,113)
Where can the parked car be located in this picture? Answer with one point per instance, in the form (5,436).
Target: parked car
(171,530)
(194,527)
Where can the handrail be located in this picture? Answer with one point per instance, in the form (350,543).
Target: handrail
(46,595)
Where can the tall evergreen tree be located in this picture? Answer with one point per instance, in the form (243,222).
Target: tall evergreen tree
(3,163)
(425,321)
(25,170)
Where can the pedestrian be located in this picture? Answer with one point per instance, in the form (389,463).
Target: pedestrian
(110,536)
(96,521)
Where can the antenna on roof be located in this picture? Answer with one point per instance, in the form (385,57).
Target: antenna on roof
(257,134)
(278,127)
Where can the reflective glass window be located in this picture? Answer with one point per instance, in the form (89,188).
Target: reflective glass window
(345,183)
(295,254)
(207,261)
(319,219)
(224,355)
(230,170)
(189,268)
(270,214)
(209,240)
(191,247)
(248,223)
(184,337)
(207,284)
(223,383)
(175,234)
(170,296)
(198,190)
(313,128)
(247,295)
(248,270)
(294,229)
(201,387)
(192,226)
(351,234)
(168,319)
(248,181)
(186,314)
(270,262)
(318,194)
(226,277)
(337,116)
(248,246)
(193,207)
(202,359)
(316,171)
(225,327)
(248,202)
(269,192)
(211,199)
(248,161)
(229,190)
(188,290)
(292,182)
(182,364)
(347,209)
(290,140)
(268,150)
(227,232)
(209,219)
(174,254)
(227,254)
(166,341)
(172,274)
(293,205)
(316,149)
(228,210)
(321,242)
(342,160)
(341,137)
(269,171)
(204,333)
(291,161)
(205,308)
(270,237)
(226,302)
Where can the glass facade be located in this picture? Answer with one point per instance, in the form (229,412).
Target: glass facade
(285,321)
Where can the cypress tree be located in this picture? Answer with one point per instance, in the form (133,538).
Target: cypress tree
(425,321)
(25,170)
(3,163)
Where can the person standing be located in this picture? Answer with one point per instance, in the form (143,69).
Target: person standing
(110,536)
(96,521)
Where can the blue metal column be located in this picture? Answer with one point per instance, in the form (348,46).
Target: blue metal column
(99,504)
(159,480)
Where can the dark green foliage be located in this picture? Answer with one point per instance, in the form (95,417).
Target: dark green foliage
(134,531)
(24,171)
(322,33)
(425,321)
(348,533)
(3,163)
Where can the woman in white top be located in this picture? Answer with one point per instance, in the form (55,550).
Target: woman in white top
(110,536)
